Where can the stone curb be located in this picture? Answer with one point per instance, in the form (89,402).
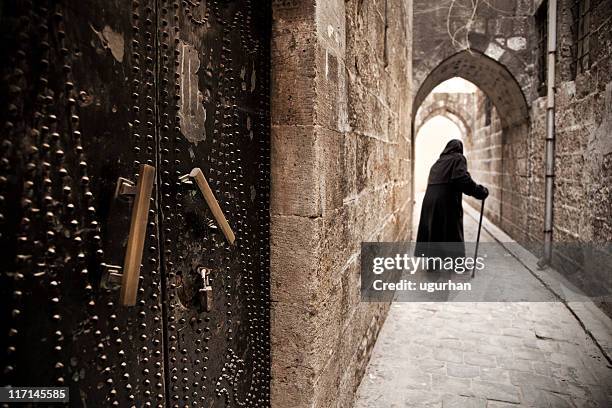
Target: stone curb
(596,324)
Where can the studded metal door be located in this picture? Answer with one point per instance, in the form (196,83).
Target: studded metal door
(214,116)
(77,106)
(91,90)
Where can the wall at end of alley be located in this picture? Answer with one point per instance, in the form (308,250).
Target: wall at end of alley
(341,174)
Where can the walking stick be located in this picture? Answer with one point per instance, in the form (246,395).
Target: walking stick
(478,236)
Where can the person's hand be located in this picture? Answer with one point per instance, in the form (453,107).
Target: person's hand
(483,192)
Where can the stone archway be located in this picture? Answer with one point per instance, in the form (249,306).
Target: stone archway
(504,165)
(449,114)
(453,106)
(452,26)
(490,76)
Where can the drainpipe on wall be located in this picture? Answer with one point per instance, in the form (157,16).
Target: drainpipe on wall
(550,133)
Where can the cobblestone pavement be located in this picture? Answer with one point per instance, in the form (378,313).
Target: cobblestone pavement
(468,355)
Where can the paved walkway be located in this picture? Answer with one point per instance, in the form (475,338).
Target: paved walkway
(467,355)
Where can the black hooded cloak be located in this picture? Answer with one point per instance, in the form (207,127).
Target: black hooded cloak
(442,214)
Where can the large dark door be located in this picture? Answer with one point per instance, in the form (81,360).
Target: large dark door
(214,116)
(92,91)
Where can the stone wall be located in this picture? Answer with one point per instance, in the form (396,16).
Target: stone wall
(583,197)
(583,172)
(483,149)
(341,171)
(584,135)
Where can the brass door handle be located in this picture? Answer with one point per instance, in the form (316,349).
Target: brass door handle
(138,227)
(212,202)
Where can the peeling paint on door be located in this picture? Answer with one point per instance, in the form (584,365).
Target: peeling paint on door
(111,40)
(242,75)
(192,114)
(253,79)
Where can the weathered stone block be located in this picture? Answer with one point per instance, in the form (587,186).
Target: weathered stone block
(295,254)
(332,168)
(295,185)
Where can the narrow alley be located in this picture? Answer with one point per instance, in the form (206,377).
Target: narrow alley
(477,355)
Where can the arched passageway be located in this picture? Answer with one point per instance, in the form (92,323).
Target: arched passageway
(458,117)
(432,134)
(488,75)
(495,122)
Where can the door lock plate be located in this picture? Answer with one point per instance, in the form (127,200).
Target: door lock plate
(111,276)
(125,187)
(206,291)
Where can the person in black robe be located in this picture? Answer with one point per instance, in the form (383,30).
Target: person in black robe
(440,232)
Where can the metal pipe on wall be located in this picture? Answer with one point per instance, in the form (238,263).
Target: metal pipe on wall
(550,132)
